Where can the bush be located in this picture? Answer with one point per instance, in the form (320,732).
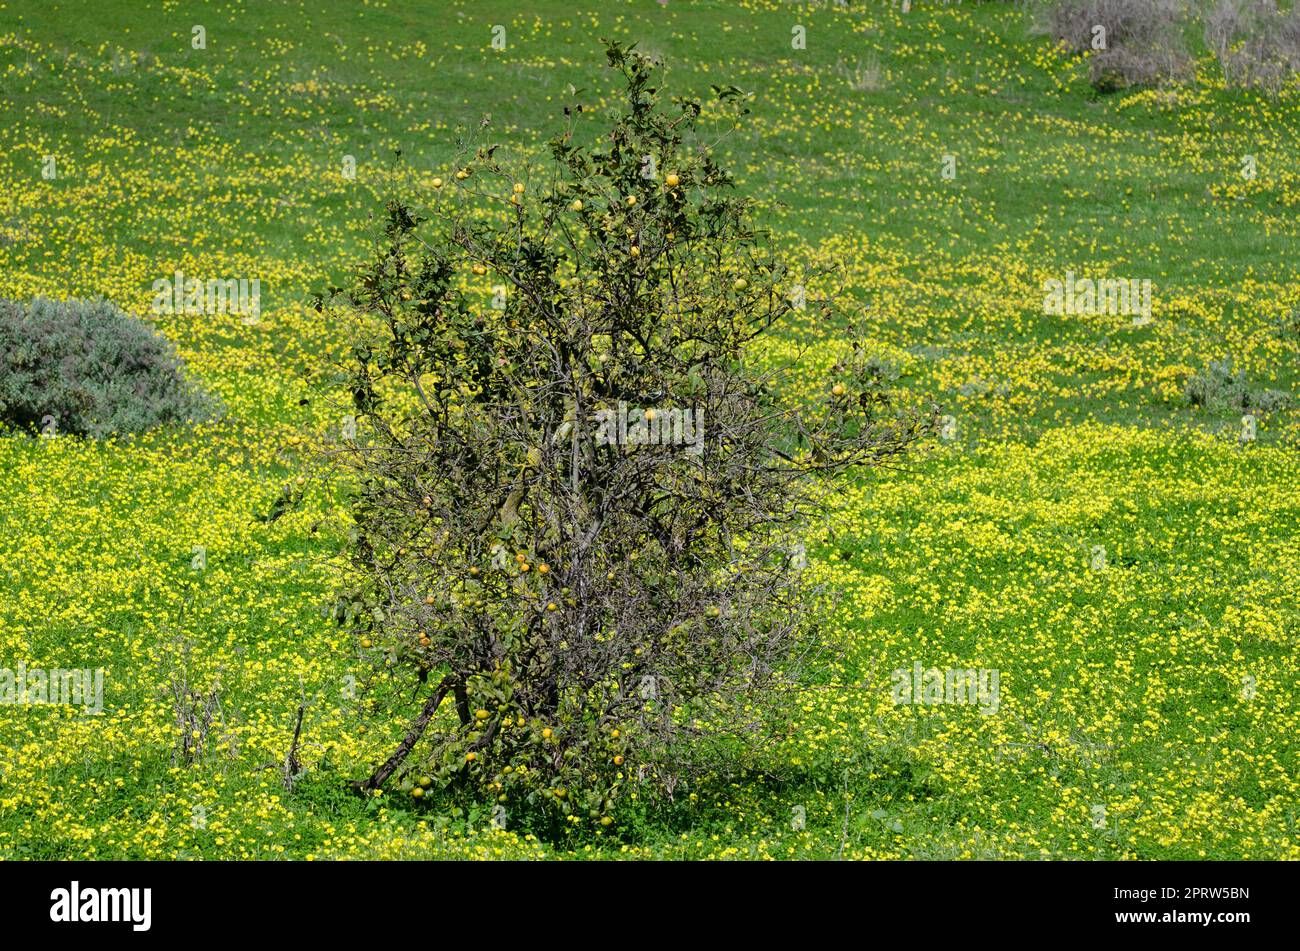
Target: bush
(1257,45)
(598,606)
(1219,388)
(87,368)
(1132,42)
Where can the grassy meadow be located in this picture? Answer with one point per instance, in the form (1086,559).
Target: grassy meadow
(947,160)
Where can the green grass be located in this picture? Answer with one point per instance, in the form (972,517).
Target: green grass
(1122,688)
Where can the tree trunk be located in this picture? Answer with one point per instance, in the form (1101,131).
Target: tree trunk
(380,776)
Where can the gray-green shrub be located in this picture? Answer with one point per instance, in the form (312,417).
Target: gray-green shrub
(1219,388)
(88,368)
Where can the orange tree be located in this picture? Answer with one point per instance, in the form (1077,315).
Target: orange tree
(576,497)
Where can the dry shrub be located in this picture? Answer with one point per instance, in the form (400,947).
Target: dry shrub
(1132,42)
(1257,45)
